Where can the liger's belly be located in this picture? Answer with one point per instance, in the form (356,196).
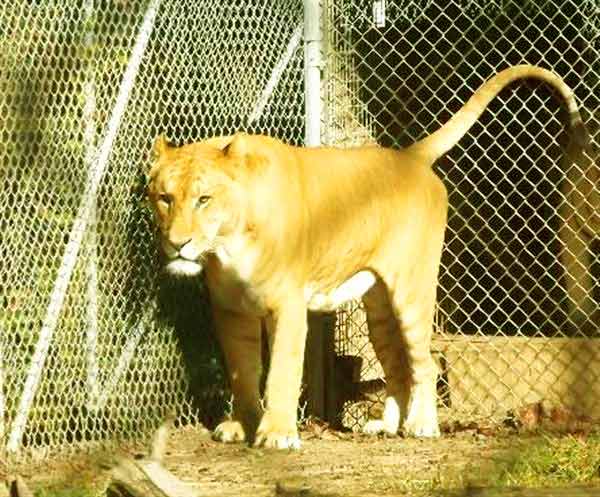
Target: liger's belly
(230,292)
(353,288)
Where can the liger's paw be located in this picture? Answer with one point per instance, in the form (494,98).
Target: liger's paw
(422,417)
(273,433)
(419,428)
(230,431)
(277,440)
(421,420)
(376,426)
(389,423)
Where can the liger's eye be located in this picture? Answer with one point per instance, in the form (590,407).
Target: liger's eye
(165,198)
(203,200)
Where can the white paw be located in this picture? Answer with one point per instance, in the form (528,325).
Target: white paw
(277,441)
(229,431)
(421,429)
(375,426)
(390,421)
(276,433)
(422,413)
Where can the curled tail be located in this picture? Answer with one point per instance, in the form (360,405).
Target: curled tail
(442,140)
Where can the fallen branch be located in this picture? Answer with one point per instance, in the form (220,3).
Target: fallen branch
(15,488)
(147,477)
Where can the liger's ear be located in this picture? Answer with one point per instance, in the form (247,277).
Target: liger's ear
(161,145)
(238,147)
(220,142)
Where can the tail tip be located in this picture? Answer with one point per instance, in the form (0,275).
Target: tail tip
(580,134)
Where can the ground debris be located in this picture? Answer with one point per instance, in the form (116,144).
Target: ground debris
(286,489)
(359,466)
(549,418)
(476,429)
(146,476)
(292,490)
(530,416)
(315,428)
(15,488)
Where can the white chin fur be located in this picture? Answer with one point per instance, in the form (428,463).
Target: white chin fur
(183,267)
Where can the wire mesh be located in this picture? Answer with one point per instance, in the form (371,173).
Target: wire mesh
(518,317)
(94,342)
(120,346)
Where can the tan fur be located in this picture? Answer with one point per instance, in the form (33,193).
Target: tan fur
(285,227)
(580,225)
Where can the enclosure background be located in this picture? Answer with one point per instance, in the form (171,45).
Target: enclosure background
(121,356)
(395,72)
(130,346)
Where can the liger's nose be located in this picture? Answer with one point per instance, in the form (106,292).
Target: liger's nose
(178,244)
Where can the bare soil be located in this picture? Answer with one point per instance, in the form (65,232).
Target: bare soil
(329,464)
(352,466)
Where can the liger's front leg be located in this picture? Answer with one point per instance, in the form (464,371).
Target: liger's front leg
(239,336)
(278,427)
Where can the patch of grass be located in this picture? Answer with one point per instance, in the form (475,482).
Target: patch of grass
(539,461)
(64,492)
(554,460)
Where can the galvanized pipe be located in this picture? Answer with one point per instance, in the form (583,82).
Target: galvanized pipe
(312,72)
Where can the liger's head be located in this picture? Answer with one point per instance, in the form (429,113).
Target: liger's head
(193,192)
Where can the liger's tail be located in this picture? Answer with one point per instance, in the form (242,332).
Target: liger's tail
(442,140)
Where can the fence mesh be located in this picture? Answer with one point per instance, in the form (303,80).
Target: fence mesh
(518,317)
(92,345)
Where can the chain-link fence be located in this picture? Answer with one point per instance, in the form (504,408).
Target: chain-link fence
(95,345)
(518,317)
(91,347)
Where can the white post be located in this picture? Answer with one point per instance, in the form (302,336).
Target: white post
(319,344)
(78,230)
(312,72)
(90,247)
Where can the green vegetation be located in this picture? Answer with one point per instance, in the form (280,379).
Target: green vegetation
(548,460)
(527,460)
(555,461)
(64,492)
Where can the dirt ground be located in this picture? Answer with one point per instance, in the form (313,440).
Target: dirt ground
(329,464)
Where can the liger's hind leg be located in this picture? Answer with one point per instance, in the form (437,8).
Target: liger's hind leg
(415,318)
(384,333)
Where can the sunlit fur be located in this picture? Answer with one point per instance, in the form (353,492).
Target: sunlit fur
(289,226)
(580,226)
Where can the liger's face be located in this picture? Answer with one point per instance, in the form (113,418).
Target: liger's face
(190,199)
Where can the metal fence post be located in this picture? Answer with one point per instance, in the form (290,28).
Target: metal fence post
(312,72)
(320,344)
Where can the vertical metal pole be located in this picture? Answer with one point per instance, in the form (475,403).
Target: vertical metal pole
(320,351)
(312,72)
